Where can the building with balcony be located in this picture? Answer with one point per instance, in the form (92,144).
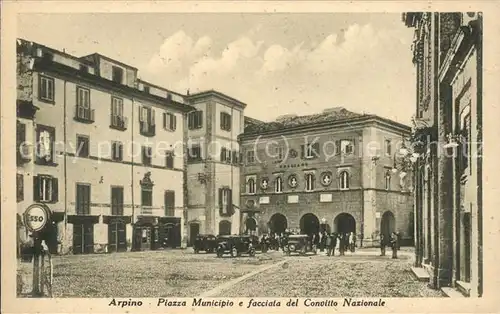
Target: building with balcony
(447,54)
(332,170)
(101,148)
(213,163)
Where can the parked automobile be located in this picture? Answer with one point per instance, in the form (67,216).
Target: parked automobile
(205,242)
(236,245)
(299,243)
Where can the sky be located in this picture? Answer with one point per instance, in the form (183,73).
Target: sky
(278,64)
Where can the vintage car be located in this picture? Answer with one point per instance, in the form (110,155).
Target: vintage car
(235,245)
(205,242)
(299,243)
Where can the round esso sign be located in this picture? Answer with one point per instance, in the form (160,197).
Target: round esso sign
(36,217)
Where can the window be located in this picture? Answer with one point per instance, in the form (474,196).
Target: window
(45,143)
(117,201)
(117,75)
(278,153)
(169,203)
(83,199)
(146,196)
(225,201)
(388,148)
(82,146)
(194,153)
(83,111)
(310,151)
(22,150)
(225,121)
(146,155)
(169,160)
(387,180)
(235,157)
(309,182)
(251,186)
(225,155)
(46,88)
(344,147)
(146,89)
(45,189)
(117,151)
(344,180)
(278,185)
(147,121)
(169,121)
(250,157)
(84,68)
(195,120)
(20,187)
(117,119)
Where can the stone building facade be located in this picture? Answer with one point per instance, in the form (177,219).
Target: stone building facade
(332,170)
(448,126)
(101,148)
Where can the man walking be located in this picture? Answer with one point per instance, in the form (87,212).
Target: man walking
(328,243)
(394,244)
(341,244)
(382,244)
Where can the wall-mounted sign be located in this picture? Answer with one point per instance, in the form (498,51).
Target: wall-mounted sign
(293,199)
(323,198)
(264,200)
(36,217)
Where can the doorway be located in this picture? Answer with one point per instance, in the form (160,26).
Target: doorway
(117,236)
(194,230)
(224,227)
(251,224)
(278,223)
(387,224)
(309,224)
(345,223)
(83,238)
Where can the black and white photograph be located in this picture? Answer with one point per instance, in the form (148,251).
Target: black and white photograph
(329,158)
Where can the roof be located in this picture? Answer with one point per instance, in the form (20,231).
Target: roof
(98,55)
(217,94)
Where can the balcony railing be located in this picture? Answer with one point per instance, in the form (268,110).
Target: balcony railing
(147,129)
(84,114)
(119,122)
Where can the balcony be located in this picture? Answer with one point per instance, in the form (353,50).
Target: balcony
(147,129)
(119,123)
(24,153)
(85,115)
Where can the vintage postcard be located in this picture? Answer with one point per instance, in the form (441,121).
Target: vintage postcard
(249,156)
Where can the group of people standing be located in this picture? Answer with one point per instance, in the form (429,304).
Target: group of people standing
(338,241)
(391,241)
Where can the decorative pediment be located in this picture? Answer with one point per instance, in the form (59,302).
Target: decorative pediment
(146,180)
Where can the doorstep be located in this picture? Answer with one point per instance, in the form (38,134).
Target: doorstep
(451,293)
(420,273)
(463,287)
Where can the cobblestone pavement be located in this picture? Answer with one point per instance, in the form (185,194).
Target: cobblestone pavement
(168,273)
(362,274)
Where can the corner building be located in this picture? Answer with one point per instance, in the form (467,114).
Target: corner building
(329,171)
(101,148)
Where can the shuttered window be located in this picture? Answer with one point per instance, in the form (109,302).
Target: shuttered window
(195,120)
(117,200)
(169,121)
(225,201)
(169,203)
(45,189)
(83,199)
(225,121)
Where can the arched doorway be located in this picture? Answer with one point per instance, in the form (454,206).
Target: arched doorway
(309,224)
(224,227)
(387,224)
(278,223)
(251,224)
(344,223)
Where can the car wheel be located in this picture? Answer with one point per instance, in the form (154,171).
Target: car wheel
(252,252)
(234,252)
(196,251)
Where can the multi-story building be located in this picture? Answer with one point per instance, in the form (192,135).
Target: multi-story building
(213,163)
(447,52)
(102,149)
(333,170)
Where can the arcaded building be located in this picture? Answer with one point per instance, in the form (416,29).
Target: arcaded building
(447,54)
(334,170)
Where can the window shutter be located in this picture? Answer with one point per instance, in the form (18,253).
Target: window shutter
(36,188)
(141,115)
(230,201)
(152,112)
(21,134)
(302,151)
(55,190)
(222,120)
(316,151)
(337,147)
(174,122)
(220,200)
(200,119)
(222,154)
(164,120)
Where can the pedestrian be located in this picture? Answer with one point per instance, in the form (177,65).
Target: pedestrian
(341,244)
(394,244)
(351,242)
(328,243)
(334,242)
(346,242)
(382,244)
